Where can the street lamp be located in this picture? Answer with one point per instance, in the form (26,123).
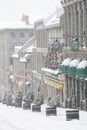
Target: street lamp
(75,44)
(56,45)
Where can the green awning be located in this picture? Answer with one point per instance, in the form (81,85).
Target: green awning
(73,67)
(72,71)
(64,69)
(65,65)
(50,72)
(82,73)
(82,69)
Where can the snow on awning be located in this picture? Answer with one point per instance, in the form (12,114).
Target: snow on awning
(50,71)
(23,59)
(73,67)
(74,63)
(82,69)
(82,64)
(65,64)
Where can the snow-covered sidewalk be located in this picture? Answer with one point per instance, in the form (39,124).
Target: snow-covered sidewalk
(12,118)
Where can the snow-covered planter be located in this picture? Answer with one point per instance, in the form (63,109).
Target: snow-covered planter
(4,99)
(36,108)
(29,97)
(51,111)
(38,101)
(18,99)
(72,114)
(53,102)
(9,99)
(26,105)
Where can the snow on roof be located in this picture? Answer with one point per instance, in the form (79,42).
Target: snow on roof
(30,48)
(14,25)
(74,63)
(26,55)
(15,55)
(66,62)
(29,43)
(53,20)
(82,64)
(16,49)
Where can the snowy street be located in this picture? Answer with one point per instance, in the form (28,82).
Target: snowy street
(12,118)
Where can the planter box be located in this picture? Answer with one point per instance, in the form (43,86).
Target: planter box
(72,114)
(26,106)
(36,108)
(8,103)
(13,103)
(51,111)
(18,104)
(4,101)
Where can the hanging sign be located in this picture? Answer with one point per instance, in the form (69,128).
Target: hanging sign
(53,83)
(56,45)
(75,44)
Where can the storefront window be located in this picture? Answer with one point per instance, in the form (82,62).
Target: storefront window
(83,90)
(62,96)
(73,88)
(67,86)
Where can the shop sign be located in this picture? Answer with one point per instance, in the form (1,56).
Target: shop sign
(53,83)
(75,44)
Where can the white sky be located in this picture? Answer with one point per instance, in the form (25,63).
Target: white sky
(12,10)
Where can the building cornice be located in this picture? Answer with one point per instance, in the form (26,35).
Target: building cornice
(66,3)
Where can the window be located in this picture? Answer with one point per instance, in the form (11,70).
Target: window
(67,87)
(73,88)
(12,35)
(21,34)
(83,90)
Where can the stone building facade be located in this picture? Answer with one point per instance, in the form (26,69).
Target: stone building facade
(39,54)
(75,53)
(54,82)
(9,38)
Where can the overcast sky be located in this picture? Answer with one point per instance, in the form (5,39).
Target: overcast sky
(12,10)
